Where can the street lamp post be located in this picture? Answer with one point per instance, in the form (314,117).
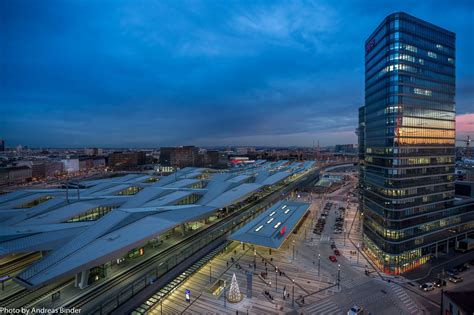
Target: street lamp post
(293,295)
(358,250)
(442,292)
(224,295)
(319,264)
(67,188)
(276,279)
(254,257)
(338,276)
(293,249)
(210,272)
(344,234)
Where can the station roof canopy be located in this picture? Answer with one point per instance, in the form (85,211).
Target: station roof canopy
(273,226)
(80,231)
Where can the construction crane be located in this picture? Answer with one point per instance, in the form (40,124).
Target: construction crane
(467,142)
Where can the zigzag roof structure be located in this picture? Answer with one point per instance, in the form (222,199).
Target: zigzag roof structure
(115,215)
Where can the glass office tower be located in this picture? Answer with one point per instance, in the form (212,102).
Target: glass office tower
(407,145)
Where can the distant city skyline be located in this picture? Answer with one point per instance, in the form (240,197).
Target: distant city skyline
(150,74)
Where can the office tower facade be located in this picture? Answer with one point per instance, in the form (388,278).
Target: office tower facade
(407,144)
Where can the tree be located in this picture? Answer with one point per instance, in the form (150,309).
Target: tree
(234,295)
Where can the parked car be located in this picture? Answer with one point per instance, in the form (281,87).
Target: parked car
(428,286)
(333,258)
(461,267)
(355,310)
(337,253)
(438,283)
(455,279)
(452,272)
(333,246)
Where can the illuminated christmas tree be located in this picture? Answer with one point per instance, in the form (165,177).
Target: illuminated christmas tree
(234,295)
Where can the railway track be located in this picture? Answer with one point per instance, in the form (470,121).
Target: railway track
(23,293)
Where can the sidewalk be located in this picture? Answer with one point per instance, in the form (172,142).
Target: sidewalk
(446,261)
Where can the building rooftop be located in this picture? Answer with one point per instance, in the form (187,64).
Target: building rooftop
(463,299)
(273,226)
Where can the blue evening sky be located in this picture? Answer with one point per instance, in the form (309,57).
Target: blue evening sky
(152,73)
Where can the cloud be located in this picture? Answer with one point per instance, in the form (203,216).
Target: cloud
(465,124)
(142,73)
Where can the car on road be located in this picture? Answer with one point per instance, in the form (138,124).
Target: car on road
(455,279)
(337,253)
(333,258)
(438,283)
(355,310)
(428,286)
(333,246)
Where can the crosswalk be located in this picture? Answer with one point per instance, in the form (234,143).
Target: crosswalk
(405,299)
(354,282)
(327,307)
(324,239)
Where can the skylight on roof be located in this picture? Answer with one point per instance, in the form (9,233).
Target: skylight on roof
(269,221)
(277,225)
(259,228)
(271,214)
(288,210)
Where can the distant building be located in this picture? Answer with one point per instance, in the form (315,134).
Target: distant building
(71,165)
(344,148)
(38,169)
(2,145)
(244,150)
(223,158)
(4,176)
(54,168)
(235,160)
(93,151)
(458,303)
(17,174)
(179,156)
(211,157)
(98,162)
(127,159)
(86,164)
